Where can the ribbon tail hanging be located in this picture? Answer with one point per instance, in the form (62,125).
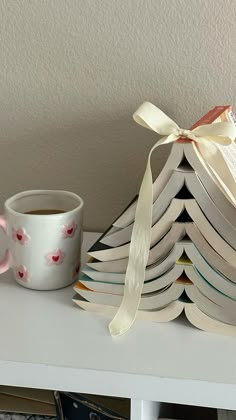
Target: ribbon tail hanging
(138,256)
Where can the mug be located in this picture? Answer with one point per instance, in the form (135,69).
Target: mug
(44,230)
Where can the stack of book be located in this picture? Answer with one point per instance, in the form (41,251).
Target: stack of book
(192,258)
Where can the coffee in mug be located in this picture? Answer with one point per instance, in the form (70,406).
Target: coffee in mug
(45,211)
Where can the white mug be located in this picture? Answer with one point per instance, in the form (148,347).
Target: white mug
(44,248)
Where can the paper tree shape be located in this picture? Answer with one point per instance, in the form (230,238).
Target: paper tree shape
(191,265)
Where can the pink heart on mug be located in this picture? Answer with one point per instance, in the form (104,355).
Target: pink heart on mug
(22,273)
(20,236)
(69,229)
(55,257)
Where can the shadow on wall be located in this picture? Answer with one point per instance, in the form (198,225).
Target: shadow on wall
(103,161)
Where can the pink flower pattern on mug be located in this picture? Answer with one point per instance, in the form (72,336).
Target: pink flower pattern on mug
(20,236)
(55,257)
(22,273)
(69,229)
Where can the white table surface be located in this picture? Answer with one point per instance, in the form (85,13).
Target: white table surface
(48,342)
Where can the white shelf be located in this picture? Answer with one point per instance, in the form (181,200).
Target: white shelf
(47,342)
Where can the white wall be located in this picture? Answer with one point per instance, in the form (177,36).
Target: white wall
(74,71)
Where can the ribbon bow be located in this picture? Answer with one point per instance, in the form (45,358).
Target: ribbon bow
(209,138)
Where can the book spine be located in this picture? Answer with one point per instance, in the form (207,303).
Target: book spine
(212,115)
(218,113)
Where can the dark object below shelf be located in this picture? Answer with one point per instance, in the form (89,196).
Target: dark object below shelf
(72,406)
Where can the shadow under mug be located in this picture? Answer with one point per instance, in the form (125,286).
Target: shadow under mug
(44,230)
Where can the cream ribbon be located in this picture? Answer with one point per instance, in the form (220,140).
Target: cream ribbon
(207,138)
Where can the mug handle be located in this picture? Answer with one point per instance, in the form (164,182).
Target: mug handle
(5,263)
